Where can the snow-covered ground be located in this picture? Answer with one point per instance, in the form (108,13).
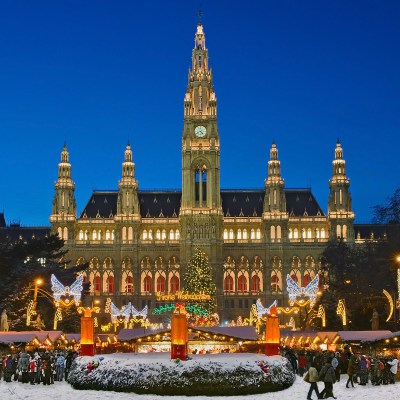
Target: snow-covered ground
(298,391)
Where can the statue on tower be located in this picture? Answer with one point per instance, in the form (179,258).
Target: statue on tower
(375,320)
(4,327)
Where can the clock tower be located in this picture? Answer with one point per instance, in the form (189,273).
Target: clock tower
(201,215)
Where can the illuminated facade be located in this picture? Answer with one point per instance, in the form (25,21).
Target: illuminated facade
(139,242)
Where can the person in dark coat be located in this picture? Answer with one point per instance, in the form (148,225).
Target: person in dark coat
(327,375)
(8,368)
(351,369)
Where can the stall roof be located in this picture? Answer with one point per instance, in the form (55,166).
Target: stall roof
(364,336)
(17,337)
(136,333)
(237,332)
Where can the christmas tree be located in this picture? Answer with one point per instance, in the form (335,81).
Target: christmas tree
(198,279)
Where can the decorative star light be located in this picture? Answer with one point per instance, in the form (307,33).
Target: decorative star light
(59,289)
(261,310)
(295,290)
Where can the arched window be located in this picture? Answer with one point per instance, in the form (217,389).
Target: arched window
(245,237)
(242,284)
(252,234)
(225,234)
(306,279)
(322,233)
(161,284)
(110,284)
(273,233)
(309,233)
(163,234)
(129,284)
(338,231)
(158,234)
(124,233)
(275,285)
(174,284)
(317,233)
(231,234)
(150,234)
(130,233)
(278,232)
(97,284)
(108,235)
(177,236)
(258,233)
(65,233)
(295,233)
(290,233)
(344,230)
(147,283)
(80,235)
(171,234)
(255,283)
(94,235)
(239,234)
(145,235)
(228,284)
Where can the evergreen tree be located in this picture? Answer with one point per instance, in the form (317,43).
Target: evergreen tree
(198,279)
(21,263)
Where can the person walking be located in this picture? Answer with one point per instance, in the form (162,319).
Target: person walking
(327,375)
(312,380)
(393,369)
(351,370)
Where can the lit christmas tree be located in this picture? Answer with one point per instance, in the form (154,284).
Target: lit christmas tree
(198,279)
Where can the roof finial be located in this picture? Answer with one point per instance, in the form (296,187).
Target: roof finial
(338,140)
(200,15)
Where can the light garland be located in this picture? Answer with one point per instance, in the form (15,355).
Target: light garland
(321,314)
(341,310)
(295,290)
(389,297)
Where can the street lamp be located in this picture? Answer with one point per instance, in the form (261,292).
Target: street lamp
(38,282)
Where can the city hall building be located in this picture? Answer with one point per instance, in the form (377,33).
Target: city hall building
(139,242)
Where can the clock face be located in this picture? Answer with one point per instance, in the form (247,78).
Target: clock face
(200,131)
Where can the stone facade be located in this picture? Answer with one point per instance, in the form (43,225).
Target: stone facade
(138,242)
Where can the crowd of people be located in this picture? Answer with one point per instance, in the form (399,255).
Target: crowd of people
(327,367)
(47,367)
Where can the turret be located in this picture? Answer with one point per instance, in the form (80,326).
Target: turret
(128,204)
(64,204)
(340,211)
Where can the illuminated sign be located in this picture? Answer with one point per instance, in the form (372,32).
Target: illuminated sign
(182,296)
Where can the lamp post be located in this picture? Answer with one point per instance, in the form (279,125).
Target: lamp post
(38,282)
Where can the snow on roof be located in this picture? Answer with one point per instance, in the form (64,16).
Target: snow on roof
(27,336)
(17,337)
(237,332)
(364,336)
(131,334)
(73,336)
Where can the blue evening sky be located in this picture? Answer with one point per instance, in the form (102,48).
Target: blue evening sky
(99,73)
